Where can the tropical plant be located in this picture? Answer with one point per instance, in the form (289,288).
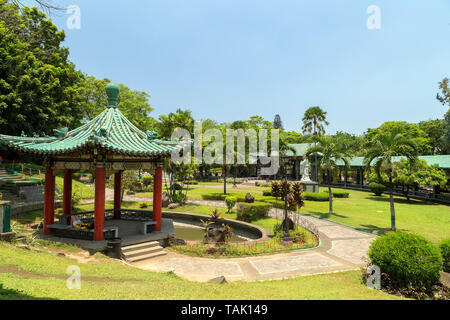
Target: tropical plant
(230,202)
(314,121)
(331,150)
(380,150)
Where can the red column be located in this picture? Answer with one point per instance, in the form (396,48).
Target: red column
(157,196)
(67,196)
(117,194)
(99,210)
(49,199)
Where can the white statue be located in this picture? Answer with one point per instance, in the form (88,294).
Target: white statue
(304,170)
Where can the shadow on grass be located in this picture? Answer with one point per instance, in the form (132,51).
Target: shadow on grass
(378,230)
(323,215)
(10,294)
(401,200)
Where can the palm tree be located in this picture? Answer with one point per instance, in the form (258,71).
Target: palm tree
(330,150)
(314,121)
(379,152)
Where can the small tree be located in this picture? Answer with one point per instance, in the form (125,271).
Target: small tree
(413,174)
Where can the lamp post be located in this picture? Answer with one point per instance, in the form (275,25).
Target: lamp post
(285,221)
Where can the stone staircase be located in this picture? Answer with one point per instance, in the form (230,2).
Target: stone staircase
(142,251)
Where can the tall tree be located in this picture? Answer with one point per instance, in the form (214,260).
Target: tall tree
(379,152)
(435,131)
(331,150)
(410,130)
(180,119)
(444,98)
(314,121)
(277,123)
(133,104)
(39,86)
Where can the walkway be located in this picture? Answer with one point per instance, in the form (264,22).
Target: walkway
(342,248)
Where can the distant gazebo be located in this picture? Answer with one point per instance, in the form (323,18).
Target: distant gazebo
(106,145)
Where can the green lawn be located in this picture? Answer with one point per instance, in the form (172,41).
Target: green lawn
(361,210)
(45,278)
(368,212)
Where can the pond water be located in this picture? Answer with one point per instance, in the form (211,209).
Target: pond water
(196,234)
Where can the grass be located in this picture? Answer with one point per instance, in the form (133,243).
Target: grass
(365,211)
(43,276)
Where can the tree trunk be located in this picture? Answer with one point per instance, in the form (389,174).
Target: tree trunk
(391,200)
(330,194)
(224,179)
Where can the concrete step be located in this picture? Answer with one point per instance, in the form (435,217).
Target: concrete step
(147,256)
(142,252)
(140,246)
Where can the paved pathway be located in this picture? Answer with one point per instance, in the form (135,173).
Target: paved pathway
(342,248)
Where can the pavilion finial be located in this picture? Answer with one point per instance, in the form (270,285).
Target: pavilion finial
(112,91)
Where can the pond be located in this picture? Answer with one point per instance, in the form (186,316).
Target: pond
(189,233)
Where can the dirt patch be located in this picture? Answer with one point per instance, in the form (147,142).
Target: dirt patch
(31,275)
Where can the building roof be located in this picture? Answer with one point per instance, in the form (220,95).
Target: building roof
(443,161)
(110,131)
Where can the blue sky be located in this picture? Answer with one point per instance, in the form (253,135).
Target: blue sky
(228,60)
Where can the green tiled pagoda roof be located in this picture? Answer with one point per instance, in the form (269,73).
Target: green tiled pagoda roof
(110,131)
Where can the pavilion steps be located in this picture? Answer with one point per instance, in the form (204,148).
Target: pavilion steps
(143,251)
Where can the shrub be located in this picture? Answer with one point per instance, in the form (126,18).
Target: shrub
(179,197)
(177,186)
(339,194)
(267,193)
(192,182)
(312,196)
(377,188)
(230,202)
(143,205)
(214,196)
(407,258)
(147,181)
(445,250)
(252,211)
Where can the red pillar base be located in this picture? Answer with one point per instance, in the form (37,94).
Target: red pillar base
(49,200)
(117,194)
(99,211)
(67,196)
(157,197)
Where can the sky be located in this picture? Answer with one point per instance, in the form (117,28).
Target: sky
(228,60)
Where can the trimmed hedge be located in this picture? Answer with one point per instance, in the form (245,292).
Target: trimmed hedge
(214,196)
(313,196)
(339,194)
(445,250)
(249,212)
(407,258)
(377,188)
(267,193)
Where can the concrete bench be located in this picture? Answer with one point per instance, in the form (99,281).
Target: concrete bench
(148,226)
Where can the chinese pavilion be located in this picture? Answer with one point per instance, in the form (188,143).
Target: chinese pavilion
(106,145)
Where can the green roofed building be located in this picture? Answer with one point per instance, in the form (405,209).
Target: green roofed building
(106,145)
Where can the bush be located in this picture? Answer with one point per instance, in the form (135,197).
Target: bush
(445,250)
(179,197)
(267,193)
(230,202)
(377,188)
(177,186)
(312,196)
(147,180)
(407,258)
(339,194)
(214,196)
(192,182)
(252,211)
